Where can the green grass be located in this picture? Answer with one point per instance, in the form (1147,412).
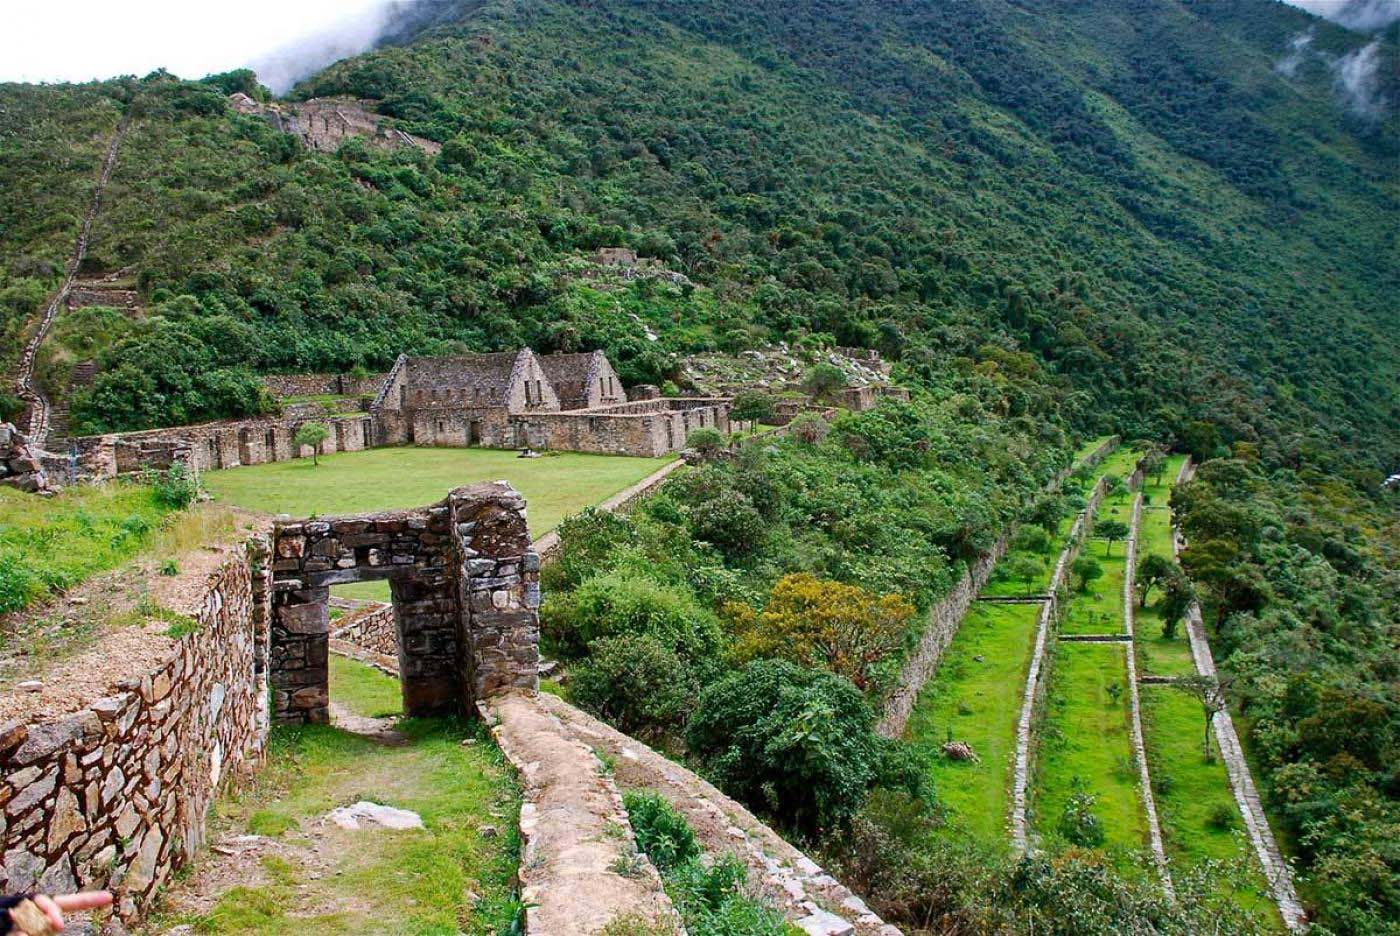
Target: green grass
(979,700)
(1086,735)
(1089,448)
(554,486)
(1159,655)
(422,881)
(363,689)
(51,544)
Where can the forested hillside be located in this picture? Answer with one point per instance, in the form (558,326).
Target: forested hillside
(1168,219)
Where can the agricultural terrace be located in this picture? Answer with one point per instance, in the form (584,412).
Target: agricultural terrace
(975,697)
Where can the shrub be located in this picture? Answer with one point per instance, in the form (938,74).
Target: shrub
(625,602)
(795,743)
(1086,570)
(1078,823)
(1221,818)
(714,901)
(809,428)
(730,522)
(662,833)
(18,585)
(176,488)
(752,406)
(1032,539)
(636,684)
(707,443)
(588,543)
(824,382)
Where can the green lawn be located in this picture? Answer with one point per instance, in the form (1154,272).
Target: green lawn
(1158,655)
(977,696)
(555,485)
(1089,448)
(1086,737)
(449,878)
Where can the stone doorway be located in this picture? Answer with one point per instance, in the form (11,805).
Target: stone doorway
(465,587)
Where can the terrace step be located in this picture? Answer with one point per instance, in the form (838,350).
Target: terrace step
(1015,599)
(1096,638)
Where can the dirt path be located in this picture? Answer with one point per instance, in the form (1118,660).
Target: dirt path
(25,386)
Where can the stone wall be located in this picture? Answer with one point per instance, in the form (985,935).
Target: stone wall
(297,385)
(116,794)
(647,428)
(20,467)
(370,628)
(465,587)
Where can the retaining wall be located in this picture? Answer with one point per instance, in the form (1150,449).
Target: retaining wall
(116,794)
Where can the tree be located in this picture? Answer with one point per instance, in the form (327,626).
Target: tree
(752,406)
(814,621)
(1023,569)
(1111,531)
(1201,439)
(311,434)
(1211,694)
(1153,464)
(707,443)
(1086,570)
(1153,570)
(824,382)
(1177,598)
(636,684)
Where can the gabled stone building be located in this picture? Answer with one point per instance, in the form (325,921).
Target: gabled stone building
(583,381)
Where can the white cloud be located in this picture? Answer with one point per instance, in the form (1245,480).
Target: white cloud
(79,40)
(1363,15)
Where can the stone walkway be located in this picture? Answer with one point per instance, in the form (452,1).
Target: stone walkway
(1149,801)
(25,386)
(1276,869)
(579,867)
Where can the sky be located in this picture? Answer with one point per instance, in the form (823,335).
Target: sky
(78,40)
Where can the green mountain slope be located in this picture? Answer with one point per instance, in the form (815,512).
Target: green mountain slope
(1128,190)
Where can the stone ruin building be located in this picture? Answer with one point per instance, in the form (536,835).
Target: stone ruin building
(509,399)
(325,123)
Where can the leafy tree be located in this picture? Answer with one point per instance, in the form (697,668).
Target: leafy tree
(1078,822)
(1211,694)
(1110,531)
(1178,596)
(311,435)
(707,443)
(1033,539)
(753,406)
(1153,571)
(824,382)
(1086,571)
(795,743)
(1023,569)
(817,622)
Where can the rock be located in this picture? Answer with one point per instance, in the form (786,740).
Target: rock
(960,751)
(822,923)
(364,812)
(31,685)
(488,831)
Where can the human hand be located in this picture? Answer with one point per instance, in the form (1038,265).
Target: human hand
(51,910)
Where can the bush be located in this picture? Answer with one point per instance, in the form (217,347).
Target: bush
(18,585)
(1086,570)
(636,684)
(662,833)
(176,488)
(730,522)
(707,443)
(1033,539)
(588,544)
(794,743)
(1221,818)
(809,428)
(752,406)
(714,901)
(1078,823)
(624,602)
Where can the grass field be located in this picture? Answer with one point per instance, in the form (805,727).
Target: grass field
(449,878)
(1100,609)
(1086,741)
(51,544)
(1158,655)
(555,485)
(976,696)
(1089,448)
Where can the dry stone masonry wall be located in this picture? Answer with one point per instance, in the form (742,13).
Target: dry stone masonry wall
(116,794)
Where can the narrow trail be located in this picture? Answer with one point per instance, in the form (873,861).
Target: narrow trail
(1149,802)
(27,389)
(1276,869)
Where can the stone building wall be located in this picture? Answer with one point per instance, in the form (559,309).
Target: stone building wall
(649,428)
(296,385)
(116,794)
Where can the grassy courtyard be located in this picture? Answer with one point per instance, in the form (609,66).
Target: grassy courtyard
(313,879)
(555,485)
(976,698)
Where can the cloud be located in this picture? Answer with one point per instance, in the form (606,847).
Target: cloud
(1298,52)
(1360,15)
(1358,73)
(81,40)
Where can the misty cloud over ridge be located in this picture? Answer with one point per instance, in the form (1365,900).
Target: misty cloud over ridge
(1360,15)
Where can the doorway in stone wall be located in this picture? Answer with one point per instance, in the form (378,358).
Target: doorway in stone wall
(474,432)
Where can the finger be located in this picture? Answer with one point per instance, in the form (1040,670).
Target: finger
(46,903)
(89,900)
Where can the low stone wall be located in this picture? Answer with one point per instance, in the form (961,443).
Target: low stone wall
(295,385)
(20,467)
(646,428)
(944,619)
(116,794)
(371,628)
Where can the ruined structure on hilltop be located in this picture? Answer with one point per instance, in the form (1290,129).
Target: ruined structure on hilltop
(325,123)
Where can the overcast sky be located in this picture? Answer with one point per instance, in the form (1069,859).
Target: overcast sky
(77,40)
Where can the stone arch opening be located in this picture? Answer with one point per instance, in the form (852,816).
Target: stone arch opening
(465,587)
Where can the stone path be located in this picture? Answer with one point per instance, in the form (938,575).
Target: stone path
(1276,869)
(579,867)
(1149,801)
(26,388)
(809,897)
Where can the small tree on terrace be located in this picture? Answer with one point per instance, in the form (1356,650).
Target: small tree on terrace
(1153,464)
(1111,531)
(1086,571)
(1178,595)
(1211,694)
(707,443)
(1023,569)
(311,434)
(824,382)
(752,406)
(1154,571)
